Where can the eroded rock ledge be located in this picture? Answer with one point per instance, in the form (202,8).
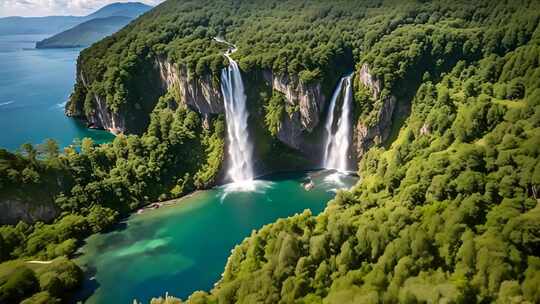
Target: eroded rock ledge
(366,135)
(201,94)
(15,210)
(308,102)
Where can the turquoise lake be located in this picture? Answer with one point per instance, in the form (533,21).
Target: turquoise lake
(177,249)
(34,87)
(184,247)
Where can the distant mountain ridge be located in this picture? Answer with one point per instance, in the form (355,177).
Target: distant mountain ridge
(57,24)
(85,33)
(102,23)
(125,9)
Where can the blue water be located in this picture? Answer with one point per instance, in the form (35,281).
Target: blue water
(34,86)
(184,248)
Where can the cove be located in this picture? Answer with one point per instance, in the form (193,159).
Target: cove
(184,247)
(34,87)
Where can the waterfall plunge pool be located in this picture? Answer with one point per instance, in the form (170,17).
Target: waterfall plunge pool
(184,247)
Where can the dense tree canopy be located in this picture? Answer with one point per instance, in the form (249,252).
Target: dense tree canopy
(93,185)
(449,212)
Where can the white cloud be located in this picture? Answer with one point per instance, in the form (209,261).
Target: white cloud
(56,7)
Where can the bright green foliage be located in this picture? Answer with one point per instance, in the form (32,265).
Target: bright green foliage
(52,281)
(447,212)
(21,282)
(275,109)
(60,276)
(41,298)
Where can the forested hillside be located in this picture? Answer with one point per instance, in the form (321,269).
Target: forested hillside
(446,209)
(448,213)
(92,187)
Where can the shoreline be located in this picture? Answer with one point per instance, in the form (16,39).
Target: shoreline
(309,173)
(164,204)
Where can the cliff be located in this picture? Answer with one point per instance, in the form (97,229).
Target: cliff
(367,134)
(300,129)
(307,104)
(202,94)
(15,210)
(99,116)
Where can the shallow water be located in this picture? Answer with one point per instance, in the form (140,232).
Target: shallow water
(34,87)
(183,248)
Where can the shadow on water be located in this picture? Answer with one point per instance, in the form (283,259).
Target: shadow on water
(88,287)
(90,284)
(148,256)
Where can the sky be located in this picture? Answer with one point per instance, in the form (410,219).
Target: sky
(56,7)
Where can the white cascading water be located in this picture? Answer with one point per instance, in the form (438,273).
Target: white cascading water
(240,150)
(338,139)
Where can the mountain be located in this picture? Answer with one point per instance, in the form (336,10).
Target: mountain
(37,25)
(446,138)
(102,23)
(57,24)
(85,33)
(126,9)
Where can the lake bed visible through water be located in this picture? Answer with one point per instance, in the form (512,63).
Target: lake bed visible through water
(184,247)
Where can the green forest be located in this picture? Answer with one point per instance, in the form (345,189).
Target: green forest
(447,210)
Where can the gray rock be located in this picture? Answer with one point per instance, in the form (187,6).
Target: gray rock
(310,102)
(201,94)
(365,136)
(15,210)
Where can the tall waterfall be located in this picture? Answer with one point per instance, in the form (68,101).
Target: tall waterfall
(240,150)
(338,134)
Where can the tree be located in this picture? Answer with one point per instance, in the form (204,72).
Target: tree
(20,284)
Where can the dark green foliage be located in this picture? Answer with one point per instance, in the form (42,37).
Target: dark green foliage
(275,109)
(93,185)
(38,283)
(446,213)
(20,283)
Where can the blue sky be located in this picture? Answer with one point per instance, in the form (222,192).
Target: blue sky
(56,7)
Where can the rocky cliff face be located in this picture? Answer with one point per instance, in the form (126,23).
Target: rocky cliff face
(100,117)
(307,102)
(201,94)
(366,135)
(204,95)
(15,210)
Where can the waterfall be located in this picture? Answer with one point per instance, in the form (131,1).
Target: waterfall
(239,149)
(338,138)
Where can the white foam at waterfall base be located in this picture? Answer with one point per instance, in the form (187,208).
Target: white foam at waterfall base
(251,186)
(337,180)
(239,148)
(338,141)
